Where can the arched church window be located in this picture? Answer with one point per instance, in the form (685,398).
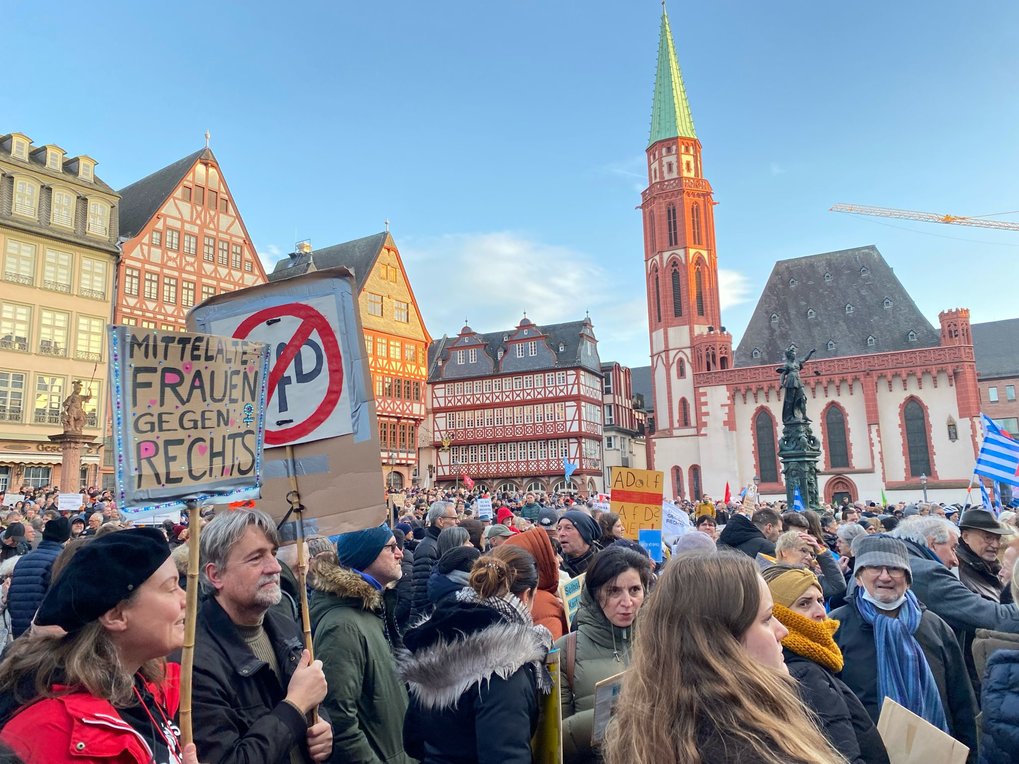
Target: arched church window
(684,413)
(916,438)
(767,455)
(695,222)
(670,222)
(681,369)
(656,288)
(835,431)
(677,481)
(695,482)
(698,282)
(953,430)
(677,292)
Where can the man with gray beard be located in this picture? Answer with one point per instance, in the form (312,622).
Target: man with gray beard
(254,685)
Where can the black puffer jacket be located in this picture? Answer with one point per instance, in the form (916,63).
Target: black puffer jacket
(29,583)
(844,720)
(425,557)
(473,686)
(739,533)
(404,590)
(999,743)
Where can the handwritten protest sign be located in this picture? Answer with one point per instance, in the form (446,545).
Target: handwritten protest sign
(484,506)
(636,496)
(70,502)
(569,594)
(320,402)
(188,417)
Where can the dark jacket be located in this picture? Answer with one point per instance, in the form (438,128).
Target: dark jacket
(978,575)
(441,586)
(855,638)
(405,589)
(574,566)
(425,557)
(473,686)
(18,549)
(739,533)
(29,584)
(238,701)
(999,741)
(366,700)
(844,720)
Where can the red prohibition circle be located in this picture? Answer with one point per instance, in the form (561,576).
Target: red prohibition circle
(311,321)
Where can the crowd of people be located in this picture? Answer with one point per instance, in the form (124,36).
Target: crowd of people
(763,635)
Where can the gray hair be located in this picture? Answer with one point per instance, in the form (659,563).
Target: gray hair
(437,510)
(450,538)
(225,530)
(926,530)
(850,531)
(788,540)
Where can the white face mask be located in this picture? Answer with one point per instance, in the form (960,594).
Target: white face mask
(882,605)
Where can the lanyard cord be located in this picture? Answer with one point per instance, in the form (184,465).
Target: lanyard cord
(170,746)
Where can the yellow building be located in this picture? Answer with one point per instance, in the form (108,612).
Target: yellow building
(58,234)
(395,337)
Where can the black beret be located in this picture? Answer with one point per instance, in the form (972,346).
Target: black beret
(458,558)
(104,572)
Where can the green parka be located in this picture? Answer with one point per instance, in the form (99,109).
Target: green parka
(366,700)
(603,650)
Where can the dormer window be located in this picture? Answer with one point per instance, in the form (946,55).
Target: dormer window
(793,282)
(19,149)
(98,218)
(26,197)
(871,341)
(831,345)
(461,357)
(500,354)
(864,271)
(86,170)
(562,347)
(911,336)
(811,313)
(472,355)
(520,350)
(827,278)
(62,207)
(850,310)
(755,353)
(54,159)
(774,318)
(887,304)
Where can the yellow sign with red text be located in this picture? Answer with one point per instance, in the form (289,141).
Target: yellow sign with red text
(636,496)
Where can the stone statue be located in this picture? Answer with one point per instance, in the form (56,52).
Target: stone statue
(794,405)
(73,416)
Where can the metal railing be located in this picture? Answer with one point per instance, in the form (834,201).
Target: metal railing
(57,286)
(19,278)
(46,347)
(14,343)
(84,355)
(13,415)
(46,416)
(92,294)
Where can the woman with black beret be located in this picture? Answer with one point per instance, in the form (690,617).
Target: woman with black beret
(91,683)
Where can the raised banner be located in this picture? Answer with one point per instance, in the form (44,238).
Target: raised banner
(320,404)
(187,418)
(636,496)
(70,502)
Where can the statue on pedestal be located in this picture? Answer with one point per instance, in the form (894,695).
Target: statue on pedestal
(794,405)
(72,416)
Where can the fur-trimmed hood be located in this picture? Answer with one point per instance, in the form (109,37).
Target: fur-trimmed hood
(333,579)
(463,646)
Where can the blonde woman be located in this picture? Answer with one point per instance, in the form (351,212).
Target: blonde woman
(707,682)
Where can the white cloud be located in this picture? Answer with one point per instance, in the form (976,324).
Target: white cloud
(733,288)
(269,255)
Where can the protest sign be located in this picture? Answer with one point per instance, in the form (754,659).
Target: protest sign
(651,540)
(70,502)
(909,738)
(321,428)
(675,522)
(636,496)
(547,742)
(569,595)
(606,695)
(11,498)
(484,508)
(187,417)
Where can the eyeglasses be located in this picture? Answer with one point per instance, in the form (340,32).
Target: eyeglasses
(392,547)
(450,517)
(877,570)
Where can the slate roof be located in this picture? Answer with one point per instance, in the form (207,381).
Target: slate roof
(640,383)
(996,347)
(805,303)
(358,255)
(568,334)
(143,198)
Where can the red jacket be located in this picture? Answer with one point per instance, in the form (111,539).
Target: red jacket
(79,728)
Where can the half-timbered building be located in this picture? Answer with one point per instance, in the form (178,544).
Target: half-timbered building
(623,437)
(509,409)
(396,341)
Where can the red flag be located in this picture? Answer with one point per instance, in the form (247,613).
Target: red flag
(728,494)
(467,481)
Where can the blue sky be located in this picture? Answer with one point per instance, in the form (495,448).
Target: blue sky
(505,140)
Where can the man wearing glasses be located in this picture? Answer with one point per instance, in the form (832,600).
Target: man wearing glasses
(353,615)
(441,515)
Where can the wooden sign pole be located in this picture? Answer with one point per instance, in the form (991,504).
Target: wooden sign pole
(294,498)
(190,619)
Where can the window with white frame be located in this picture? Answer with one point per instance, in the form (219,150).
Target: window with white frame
(549,379)
(209,249)
(222,252)
(187,293)
(472,355)
(528,414)
(62,208)
(37,477)
(92,282)
(401,311)
(88,341)
(497,385)
(19,262)
(607,384)
(520,350)
(54,160)
(53,329)
(85,170)
(461,357)
(12,395)
(19,149)
(173,239)
(518,383)
(375,305)
(26,197)
(502,452)
(542,449)
(518,415)
(532,348)
(49,394)
(190,244)
(98,217)
(560,412)
(488,385)
(15,325)
(56,271)
(560,377)
(609,415)
(539,414)
(528,381)
(208,291)
(156,238)
(610,442)
(170,290)
(498,417)
(235,256)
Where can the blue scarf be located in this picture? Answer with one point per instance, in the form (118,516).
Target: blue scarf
(903,673)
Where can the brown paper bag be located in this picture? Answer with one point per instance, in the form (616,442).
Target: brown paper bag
(910,739)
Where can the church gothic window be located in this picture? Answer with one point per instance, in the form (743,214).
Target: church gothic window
(670,221)
(953,430)
(695,223)
(658,295)
(695,482)
(684,413)
(916,439)
(698,282)
(767,456)
(865,271)
(677,481)
(835,432)
(681,369)
(677,292)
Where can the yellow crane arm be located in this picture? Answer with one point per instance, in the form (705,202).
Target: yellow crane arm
(926,217)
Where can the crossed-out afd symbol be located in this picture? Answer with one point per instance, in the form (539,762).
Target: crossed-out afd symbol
(303,398)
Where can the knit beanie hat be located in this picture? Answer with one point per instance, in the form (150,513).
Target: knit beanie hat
(358,549)
(458,558)
(58,529)
(787,586)
(584,523)
(881,551)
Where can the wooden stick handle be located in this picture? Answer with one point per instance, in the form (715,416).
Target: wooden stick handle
(190,619)
(302,563)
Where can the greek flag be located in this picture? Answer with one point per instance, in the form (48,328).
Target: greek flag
(999,454)
(985,499)
(798,500)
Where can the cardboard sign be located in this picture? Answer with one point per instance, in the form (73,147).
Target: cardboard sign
(636,497)
(187,417)
(70,502)
(569,594)
(321,402)
(547,743)
(606,695)
(11,498)
(909,738)
(484,506)
(651,540)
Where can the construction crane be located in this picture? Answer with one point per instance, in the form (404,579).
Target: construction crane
(925,217)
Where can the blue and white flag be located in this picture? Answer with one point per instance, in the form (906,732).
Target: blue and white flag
(568,467)
(798,500)
(999,454)
(985,498)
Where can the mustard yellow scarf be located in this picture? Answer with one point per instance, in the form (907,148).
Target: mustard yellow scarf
(813,640)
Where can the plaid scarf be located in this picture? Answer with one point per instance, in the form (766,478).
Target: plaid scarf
(903,673)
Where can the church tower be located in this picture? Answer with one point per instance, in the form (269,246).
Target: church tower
(681,267)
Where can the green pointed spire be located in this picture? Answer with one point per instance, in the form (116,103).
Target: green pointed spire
(670,111)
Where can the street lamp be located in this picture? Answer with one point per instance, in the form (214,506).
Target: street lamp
(923,484)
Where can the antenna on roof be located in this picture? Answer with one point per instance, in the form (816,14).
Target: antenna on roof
(207,137)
